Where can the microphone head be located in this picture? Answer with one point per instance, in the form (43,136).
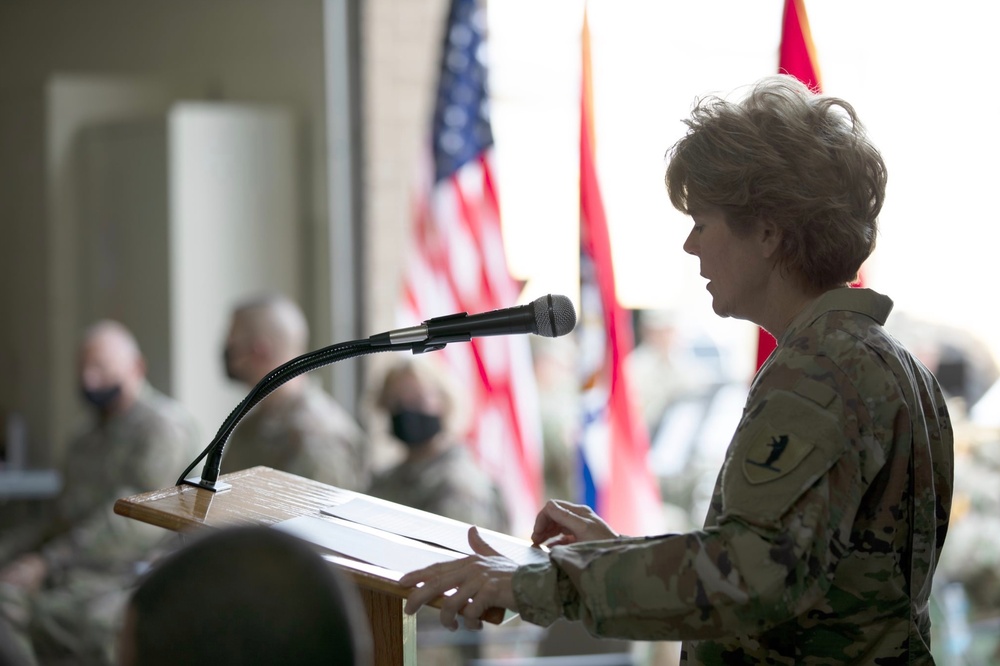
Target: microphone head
(554,315)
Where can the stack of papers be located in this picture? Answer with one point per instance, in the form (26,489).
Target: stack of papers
(399,538)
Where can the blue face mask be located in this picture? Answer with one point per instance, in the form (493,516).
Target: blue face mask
(103,397)
(414,428)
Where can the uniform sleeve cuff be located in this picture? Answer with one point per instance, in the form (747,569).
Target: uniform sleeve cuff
(539,590)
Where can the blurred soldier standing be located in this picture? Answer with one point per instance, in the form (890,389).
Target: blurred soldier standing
(63,598)
(299,428)
(967,584)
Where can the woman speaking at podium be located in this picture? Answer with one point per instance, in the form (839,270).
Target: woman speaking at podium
(831,508)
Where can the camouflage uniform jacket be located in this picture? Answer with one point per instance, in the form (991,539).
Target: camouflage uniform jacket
(137,451)
(309,434)
(449,484)
(807,555)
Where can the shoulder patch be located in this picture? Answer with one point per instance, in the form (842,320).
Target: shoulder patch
(767,460)
(785,447)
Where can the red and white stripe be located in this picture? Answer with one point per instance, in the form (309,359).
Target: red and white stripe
(457,264)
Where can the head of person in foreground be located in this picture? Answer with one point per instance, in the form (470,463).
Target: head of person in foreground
(244,595)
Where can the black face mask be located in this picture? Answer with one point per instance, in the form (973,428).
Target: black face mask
(414,428)
(103,397)
(227,363)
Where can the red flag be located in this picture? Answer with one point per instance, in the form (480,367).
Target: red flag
(615,443)
(458,264)
(797,57)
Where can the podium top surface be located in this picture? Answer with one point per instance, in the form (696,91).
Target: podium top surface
(260,496)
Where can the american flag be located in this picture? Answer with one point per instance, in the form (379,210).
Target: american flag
(457,264)
(617,480)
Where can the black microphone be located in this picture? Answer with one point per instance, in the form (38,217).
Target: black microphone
(549,316)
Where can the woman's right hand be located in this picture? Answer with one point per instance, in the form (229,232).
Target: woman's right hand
(560,523)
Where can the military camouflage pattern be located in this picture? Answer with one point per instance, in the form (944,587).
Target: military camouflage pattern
(805,555)
(96,554)
(138,451)
(450,484)
(308,434)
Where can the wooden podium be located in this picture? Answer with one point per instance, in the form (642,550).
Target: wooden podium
(264,496)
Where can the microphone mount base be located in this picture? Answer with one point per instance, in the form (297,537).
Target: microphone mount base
(217,487)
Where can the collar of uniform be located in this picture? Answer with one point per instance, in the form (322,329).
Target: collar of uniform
(863,301)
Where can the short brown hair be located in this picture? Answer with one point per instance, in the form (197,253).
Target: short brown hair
(798,159)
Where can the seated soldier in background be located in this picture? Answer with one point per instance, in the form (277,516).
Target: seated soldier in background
(438,473)
(299,428)
(245,595)
(62,598)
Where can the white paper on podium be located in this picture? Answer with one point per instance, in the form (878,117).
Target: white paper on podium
(431,528)
(366,544)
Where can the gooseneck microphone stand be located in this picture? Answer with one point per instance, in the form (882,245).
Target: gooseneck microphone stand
(209,479)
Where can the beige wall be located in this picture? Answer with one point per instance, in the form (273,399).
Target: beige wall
(238,50)
(235,50)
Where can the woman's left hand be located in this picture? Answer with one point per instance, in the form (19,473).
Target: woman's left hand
(480,581)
